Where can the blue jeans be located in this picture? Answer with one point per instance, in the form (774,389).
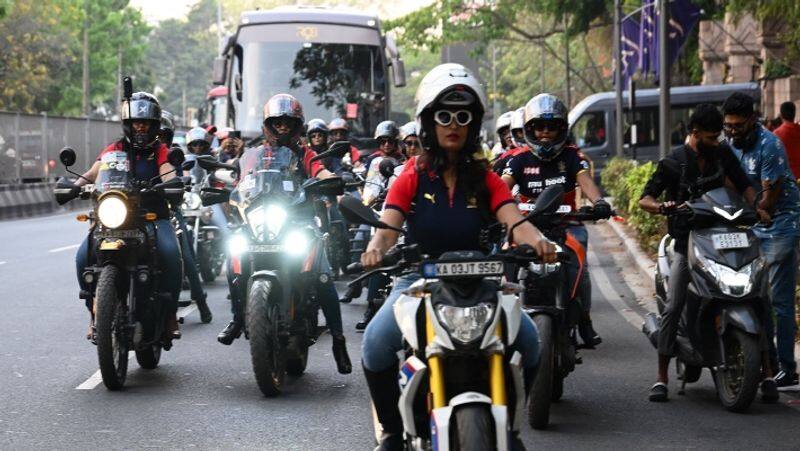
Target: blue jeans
(780,253)
(189,264)
(169,258)
(383,339)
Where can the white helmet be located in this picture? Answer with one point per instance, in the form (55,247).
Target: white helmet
(518,127)
(449,85)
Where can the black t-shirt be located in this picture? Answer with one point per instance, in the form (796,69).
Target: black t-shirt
(720,164)
(533,175)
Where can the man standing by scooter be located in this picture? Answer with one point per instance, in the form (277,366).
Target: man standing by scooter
(701,165)
(763,158)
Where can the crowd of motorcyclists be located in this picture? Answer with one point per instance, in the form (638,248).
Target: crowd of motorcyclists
(432,186)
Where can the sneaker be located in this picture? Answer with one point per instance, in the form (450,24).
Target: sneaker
(786,379)
(769,391)
(659,392)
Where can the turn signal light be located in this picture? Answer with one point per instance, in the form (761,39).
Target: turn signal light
(150,216)
(82,217)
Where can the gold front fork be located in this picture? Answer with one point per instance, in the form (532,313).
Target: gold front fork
(435,370)
(497,377)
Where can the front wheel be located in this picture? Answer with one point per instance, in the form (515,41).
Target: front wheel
(737,383)
(542,390)
(474,429)
(206,266)
(265,349)
(149,357)
(110,321)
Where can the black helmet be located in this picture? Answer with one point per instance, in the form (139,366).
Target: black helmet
(387,129)
(167,131)
(316,126)
(283,106)
(142,106)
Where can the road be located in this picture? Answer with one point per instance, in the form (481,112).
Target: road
(203,395)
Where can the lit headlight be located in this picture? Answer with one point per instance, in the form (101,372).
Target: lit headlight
(544,268)
(276,216)
(191,201)
(731,282)
(465,324)
(237,245)
(112,211)
(296,243)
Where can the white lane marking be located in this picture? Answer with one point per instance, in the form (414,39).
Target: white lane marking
(607,288)
(65,248)
(96,378)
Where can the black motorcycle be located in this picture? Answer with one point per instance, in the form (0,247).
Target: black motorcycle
(130,311)
(205,238)
(553,299)
(723,331)
(279,259)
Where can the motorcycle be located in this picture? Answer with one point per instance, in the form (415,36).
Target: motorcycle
(206,239)
(553,299)
(723,331)
(278,257)
(130,314)
(460,387)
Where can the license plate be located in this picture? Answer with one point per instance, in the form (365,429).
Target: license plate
(525,207)
(730,241)
(265,248)
(564,209)
(463,269)
(106,234)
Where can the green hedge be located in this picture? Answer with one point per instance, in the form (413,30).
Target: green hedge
(624,180)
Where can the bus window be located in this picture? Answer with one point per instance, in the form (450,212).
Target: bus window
(590,130)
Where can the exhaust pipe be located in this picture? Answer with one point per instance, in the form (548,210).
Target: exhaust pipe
(650,327)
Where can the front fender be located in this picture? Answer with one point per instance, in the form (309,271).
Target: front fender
(741,317)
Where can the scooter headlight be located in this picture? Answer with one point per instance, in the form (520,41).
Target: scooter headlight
(296,243)
(112,211)
(191,201)
(730,281)
(237,245)
(465,324)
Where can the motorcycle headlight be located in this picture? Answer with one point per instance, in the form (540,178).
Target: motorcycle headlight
(544,268)
(112,212)
(237,245)
(255,218)
(465,324)
(296,243)
(191,201)
(731,282)
(275,218)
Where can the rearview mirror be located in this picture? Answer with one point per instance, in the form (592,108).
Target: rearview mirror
(213,196)
(549,200)
(386,168)
(188,164)
(398,72)
(218,71)
(67,156)
(356,212)
(338,149)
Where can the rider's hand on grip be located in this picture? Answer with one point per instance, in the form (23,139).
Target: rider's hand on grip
(354,268)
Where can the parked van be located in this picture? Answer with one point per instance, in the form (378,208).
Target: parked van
(592,121)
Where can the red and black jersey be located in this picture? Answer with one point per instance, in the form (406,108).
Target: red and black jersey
(500,163)
(438,220)
(533,174)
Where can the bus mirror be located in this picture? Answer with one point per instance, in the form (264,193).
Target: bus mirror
(398,72)
(218,75)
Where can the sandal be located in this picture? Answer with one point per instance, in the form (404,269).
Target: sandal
(659,392)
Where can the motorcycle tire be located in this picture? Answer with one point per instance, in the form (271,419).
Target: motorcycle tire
(265,348)
(737,387)
(206,269)
(296,366)
(474,429)
(110,321)
(542,390)
(149,357)
(558,388)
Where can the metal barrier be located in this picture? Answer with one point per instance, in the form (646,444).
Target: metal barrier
(33,199)
(29,144)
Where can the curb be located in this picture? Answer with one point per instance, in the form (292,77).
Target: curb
(643,262)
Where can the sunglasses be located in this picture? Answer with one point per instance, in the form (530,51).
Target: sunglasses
(411,143)
(384,141)
(446,117)
(539,126)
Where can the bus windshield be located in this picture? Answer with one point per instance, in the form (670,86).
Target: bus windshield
(330,79)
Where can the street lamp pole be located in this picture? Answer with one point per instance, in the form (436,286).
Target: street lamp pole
(618,121)
(663,79)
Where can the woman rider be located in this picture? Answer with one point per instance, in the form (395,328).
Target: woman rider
(437,195)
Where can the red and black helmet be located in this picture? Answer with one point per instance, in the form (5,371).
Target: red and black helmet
(283,107)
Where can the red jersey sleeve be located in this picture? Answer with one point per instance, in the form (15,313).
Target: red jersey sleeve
(499,194)
(312,168)
(354,155)
(401,193)
(161,154)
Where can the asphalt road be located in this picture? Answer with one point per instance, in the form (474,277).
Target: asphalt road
(203,395)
